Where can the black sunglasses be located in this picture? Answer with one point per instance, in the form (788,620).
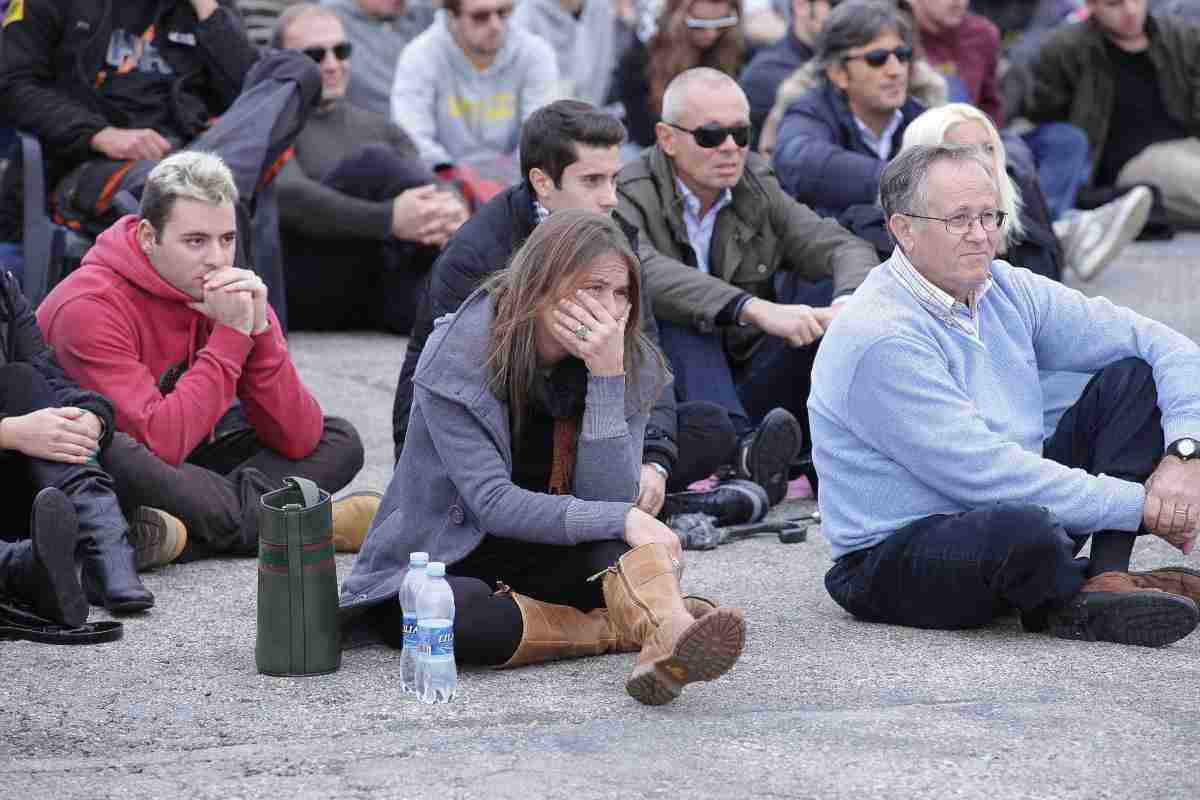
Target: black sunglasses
(709,136)
(877,58)
(341,52)
(482,17)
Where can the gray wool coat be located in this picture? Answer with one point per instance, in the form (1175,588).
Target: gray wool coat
(453,483)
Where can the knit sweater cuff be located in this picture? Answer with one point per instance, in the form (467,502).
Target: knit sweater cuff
(604,411)
(1128,506)
(595,520)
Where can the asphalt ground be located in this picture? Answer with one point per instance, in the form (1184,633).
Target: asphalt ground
(820,705)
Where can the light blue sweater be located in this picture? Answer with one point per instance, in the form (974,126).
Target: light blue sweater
(911,417)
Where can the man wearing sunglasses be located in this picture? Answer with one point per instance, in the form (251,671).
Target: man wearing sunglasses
(942,499)
(834,142)
(744,293)
(463,87)
(361,214)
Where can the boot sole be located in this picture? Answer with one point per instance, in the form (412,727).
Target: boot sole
(776,444)
(1145,619)
(706,650)
(166,535)
(54,531)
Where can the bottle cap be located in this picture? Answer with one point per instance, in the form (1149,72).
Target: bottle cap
(436,569)
(418,558)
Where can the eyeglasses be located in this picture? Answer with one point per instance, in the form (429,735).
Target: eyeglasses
(709,136)
(699,24)
(483,16)
(877,58)
(959,224)
(341,52)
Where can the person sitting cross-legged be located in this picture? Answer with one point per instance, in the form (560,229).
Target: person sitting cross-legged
(210,410)
(941,497)
(520,472)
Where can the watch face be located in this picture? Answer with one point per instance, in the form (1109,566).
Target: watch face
(1186,447)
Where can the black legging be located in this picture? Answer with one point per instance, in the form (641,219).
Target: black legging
(487,626)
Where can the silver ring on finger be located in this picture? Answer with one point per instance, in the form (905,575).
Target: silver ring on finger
(581,332)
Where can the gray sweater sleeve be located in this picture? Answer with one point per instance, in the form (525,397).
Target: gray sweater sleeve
(309,207)
(608,464)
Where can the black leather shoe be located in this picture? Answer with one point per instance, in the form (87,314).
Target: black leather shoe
(729,503)
(765,454)
(51,584)
(111,581)
(1146,618)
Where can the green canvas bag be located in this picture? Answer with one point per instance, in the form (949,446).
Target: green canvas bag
(297,582)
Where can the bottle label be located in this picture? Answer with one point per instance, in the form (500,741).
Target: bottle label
(439,641)
(411,636)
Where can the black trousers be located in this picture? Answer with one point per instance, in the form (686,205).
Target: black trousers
(24,390)
(487,626)
(340,284)
(215,491)
(958,570)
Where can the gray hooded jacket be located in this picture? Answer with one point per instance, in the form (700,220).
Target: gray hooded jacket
(586,47)
(453,484)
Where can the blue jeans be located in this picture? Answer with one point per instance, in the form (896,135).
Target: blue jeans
(1060,151)
(958,570)
(777,375)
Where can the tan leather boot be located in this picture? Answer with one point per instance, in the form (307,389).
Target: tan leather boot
(644,603)
(1182,581)
(352,516)
(552,632)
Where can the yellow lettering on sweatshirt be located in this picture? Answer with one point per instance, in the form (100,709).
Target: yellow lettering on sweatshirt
(497,108)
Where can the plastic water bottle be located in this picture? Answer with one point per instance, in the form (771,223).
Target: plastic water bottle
(438,675)
(414,582)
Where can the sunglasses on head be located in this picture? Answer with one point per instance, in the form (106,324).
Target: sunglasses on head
(711,135)
(341,52)
(484,16)
(877,58)
(696,23)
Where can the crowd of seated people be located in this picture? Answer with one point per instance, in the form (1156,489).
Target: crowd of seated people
(246,168)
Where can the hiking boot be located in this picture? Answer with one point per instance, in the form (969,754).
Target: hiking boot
(765,454)
(352,516)
(1092,239)
(729,503)
(644,605)
(1111,607)
(157,537)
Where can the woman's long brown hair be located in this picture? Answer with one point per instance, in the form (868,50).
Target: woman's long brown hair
(671,51)
(561,246)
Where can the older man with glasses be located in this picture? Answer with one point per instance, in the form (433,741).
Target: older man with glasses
(942,503)
(744,293)
(463,87)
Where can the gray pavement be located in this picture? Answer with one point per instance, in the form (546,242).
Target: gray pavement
(820,705)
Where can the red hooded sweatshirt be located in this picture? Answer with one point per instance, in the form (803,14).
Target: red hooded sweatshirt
(120,329)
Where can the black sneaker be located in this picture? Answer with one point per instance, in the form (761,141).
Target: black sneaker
(729,503)
(1146,618)
(765,454)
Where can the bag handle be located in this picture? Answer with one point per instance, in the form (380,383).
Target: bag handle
(308,490)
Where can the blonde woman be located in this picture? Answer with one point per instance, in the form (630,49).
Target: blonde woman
(1086,241)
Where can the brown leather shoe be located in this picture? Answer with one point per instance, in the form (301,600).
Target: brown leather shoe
(157,538)
(352,517)
(1182,581)
(1112,607)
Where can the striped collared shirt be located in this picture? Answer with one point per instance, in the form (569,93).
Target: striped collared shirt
(937,302)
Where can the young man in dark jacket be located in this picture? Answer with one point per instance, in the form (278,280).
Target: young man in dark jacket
(1128,80)
(569,157)
(52,434)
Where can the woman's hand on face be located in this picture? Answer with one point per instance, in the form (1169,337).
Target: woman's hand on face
(602,346)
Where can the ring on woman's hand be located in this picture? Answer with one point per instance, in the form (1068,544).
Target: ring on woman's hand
(582,332)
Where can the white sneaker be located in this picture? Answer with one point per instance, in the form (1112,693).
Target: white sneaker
(1092,239)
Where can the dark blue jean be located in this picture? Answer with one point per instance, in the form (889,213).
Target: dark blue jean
(957,570)
(777,375)
(1060,151)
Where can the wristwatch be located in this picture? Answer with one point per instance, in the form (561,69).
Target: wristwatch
(1185,449)
(660,469)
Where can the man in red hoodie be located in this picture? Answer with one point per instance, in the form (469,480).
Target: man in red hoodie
(210,409)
